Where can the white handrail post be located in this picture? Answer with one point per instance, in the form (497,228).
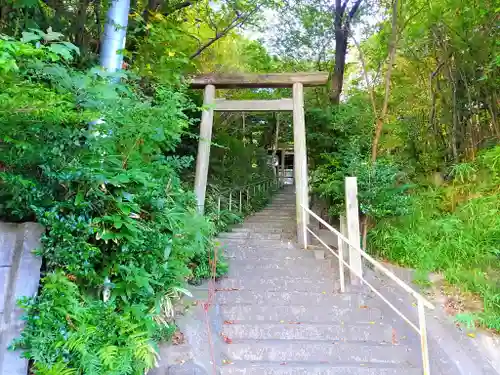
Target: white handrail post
(248,196)
(340,245)
(304,228)
(352,214)
(423,337)
(230,200)
(282,180)
(218,206)
(343,230)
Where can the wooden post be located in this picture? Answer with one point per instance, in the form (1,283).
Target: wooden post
(343,230)
(352,214)
(300,159)
(275,146)
(203,156)
(282,167)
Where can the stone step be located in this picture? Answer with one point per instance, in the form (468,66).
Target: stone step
(285,283)
(240,228)
(319,368)
(263,216)
(244,270)
(300,314)
(331,332)
(308,265)
(262,228)
(265,236)
(259,297)
(270,222)
(320,351)
(234,234)
(263,225)
(258,243)
(281,210)
(273,255)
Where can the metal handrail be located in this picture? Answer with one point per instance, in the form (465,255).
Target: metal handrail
(422,302)
(237,188)
(265,184)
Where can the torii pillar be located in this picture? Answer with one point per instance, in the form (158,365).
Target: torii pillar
(296,81)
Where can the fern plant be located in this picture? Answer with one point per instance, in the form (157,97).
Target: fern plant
(87,159)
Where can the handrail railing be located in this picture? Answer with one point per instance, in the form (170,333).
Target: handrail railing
(422,302)
(245,192)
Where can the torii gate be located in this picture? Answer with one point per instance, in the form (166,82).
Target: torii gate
(296,81)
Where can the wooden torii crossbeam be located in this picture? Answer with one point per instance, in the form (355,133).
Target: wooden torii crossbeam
(253,81)
(295,81)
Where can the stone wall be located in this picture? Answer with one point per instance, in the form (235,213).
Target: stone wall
(19,276)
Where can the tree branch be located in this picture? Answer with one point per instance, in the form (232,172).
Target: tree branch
(365,74)
(392,58)
(237,21)
(354,9)
(180,6)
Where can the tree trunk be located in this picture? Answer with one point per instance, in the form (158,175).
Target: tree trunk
(392,58)
(339,68)
(342,24)
(81,19)
(454,123)
(369,86)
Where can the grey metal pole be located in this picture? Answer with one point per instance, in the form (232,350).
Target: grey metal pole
(115,31)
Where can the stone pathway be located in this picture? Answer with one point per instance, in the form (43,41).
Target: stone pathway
(279,310)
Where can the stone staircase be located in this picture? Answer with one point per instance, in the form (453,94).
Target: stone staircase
(280,311)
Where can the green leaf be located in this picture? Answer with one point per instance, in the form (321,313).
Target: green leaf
(79,198)
(61,50)
(29,37)
(51,36)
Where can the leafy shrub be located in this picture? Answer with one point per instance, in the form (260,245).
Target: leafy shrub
(86,158)
(382,188)
(461,241)
(65,331)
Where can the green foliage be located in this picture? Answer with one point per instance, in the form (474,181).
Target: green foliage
(340,140)
(382,187)
(90,336)
(86,158)
(459,240)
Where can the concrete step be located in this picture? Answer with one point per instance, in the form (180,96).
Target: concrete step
(265,235)
(320,351)
(273,255)
(266,228)
(258,243)
(318,368)
(299,267)
(234,234)
(246,273)
(265,217)
(354,300)
(308,331)
(285,283)
(300,314)
(263,228)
